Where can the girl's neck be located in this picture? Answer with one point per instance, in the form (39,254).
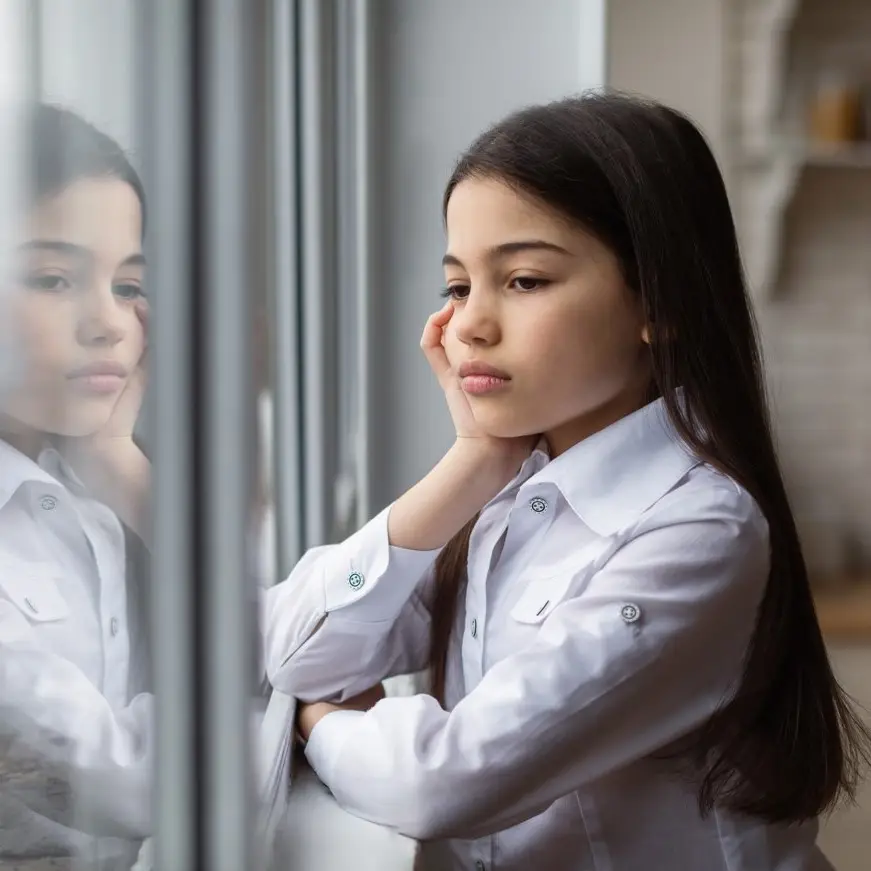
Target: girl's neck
(24,439)
(574,431)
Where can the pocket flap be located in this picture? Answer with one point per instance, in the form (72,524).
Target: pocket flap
(546,589)
(33,589)
(541,596)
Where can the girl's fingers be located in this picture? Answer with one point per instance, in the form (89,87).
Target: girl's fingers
(431,342)
(435,324)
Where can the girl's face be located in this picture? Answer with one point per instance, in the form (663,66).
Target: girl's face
(73,301)
(545,303)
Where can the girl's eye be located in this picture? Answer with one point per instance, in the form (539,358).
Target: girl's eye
(527,283)
(128,291)
(456,291)
(47,283)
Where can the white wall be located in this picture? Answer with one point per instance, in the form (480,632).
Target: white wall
(88,62)
(447,69)
(674,51)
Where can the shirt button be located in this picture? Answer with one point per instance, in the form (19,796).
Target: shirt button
(474,628)
(30,605)
(356,580)
(630,613)
(538,505)
(113,626)
(48,503)
(479,865)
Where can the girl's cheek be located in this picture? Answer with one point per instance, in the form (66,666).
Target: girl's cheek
(450,343)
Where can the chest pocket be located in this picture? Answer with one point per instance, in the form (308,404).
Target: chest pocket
(33,589)
(546,589)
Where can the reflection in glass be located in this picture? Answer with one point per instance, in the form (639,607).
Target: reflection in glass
(75,711)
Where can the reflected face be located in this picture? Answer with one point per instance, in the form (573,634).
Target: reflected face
(74,300)
(544,302)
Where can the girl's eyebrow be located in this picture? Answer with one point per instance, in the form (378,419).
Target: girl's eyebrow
(507,248)
(77,251)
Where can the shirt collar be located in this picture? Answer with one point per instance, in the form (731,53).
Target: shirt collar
(17,469)
(612,477)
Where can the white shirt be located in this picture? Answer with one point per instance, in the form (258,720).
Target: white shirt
(611,595)
(75,747)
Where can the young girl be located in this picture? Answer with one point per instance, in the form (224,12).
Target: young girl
(602,573)
(75,714)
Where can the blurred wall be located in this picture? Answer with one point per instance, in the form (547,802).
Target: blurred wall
(672,50)
(86,62)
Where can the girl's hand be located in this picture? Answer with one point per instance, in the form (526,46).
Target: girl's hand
(109,462)
(90,453)
(309,715)
(433,346)
(432,342)
(123,419)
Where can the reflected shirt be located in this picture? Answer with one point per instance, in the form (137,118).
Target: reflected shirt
(610,597)
(75,734)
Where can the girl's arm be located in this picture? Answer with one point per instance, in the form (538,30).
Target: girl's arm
(351,614)
(354,613)
(640,655)
(118,474)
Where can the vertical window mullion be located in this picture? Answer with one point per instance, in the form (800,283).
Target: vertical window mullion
(225,497)
(166,101)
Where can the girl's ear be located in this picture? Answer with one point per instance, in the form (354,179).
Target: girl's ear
(648,332)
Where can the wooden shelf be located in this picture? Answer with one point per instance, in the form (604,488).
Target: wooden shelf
(779,48)
(846,615)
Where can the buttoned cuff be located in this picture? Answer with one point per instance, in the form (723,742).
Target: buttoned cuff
(368,580)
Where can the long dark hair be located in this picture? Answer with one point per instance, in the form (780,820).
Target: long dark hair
(642,179)
(62,148)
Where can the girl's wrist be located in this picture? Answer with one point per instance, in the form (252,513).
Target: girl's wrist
(117,473)
(489,463)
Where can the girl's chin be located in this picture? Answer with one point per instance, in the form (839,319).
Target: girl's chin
(78,427)
(505,429)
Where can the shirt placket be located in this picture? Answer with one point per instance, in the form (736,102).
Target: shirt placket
(107,541)
(481,551)
(528,518)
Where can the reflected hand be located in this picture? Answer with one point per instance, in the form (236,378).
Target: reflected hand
(309,715)
(123,419)
(109,462)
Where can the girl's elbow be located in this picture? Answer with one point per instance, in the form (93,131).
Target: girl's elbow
(430,814)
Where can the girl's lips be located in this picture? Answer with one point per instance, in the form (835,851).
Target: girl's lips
(98,385)
(478,367)
(480,385)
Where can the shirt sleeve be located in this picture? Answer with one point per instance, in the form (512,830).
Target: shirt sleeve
(348,616)
(54,721)
(642,654)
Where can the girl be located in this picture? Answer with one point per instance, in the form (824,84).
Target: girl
(602,573)
(75,743)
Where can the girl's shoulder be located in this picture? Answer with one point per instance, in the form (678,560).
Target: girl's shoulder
(707,495)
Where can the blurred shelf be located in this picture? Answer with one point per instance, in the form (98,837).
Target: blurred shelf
(798,154)
(854,156)
(778,49)
(846,614)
